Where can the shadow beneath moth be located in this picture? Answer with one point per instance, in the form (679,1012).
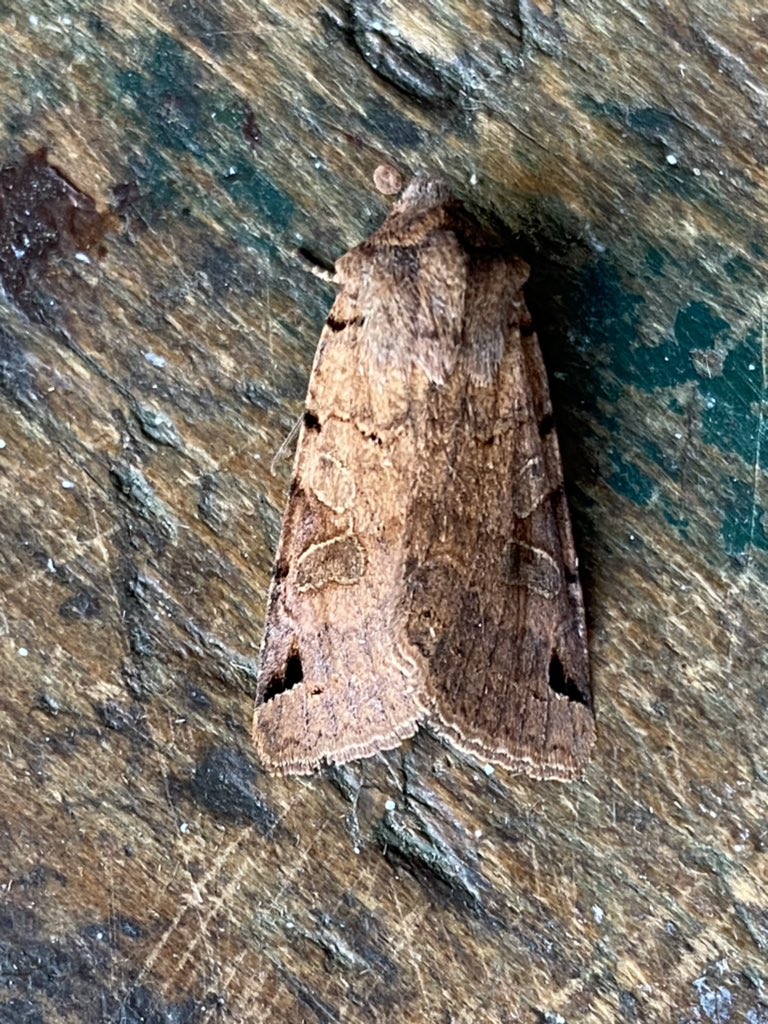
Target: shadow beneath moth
(426,571)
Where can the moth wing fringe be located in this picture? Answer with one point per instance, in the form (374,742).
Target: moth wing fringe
(353,752)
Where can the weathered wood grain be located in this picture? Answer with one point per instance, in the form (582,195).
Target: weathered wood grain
(156,333)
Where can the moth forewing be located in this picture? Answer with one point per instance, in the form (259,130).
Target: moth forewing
(426,567)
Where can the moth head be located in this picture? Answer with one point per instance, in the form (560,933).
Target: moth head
(421,193)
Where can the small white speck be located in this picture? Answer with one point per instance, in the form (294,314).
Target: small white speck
(50,565)
(2,443)
(390,805)
(751,366)
(155,360)
(710,402)
(34,21)
(598,913)
(489,769)
(68,485)
(678,435)
(82,257)
(356,849)
(473,179)
(478,833)
(696,172)
(184,827)
(23,652)
(671,159)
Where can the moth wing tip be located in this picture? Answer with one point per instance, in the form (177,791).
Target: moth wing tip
(270,752)
(275,765)
(523,761)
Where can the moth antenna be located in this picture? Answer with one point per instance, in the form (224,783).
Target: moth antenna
(287,442)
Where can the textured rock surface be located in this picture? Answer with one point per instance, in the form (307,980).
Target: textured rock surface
(156,335)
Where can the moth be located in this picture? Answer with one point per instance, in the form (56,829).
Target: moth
(426,570)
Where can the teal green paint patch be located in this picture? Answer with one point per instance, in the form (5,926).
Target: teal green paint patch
(629,481)
(655,260)
(233,115)
(649,123)
(168,94)
(739,270)
(245,182)
(731,417)
(696,326)
(180,114)
(661,134)
(610,315)
(606,310)
(743,521)
(613,424)
(678,522)
(660,456)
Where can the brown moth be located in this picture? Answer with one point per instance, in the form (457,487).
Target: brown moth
(426,570)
